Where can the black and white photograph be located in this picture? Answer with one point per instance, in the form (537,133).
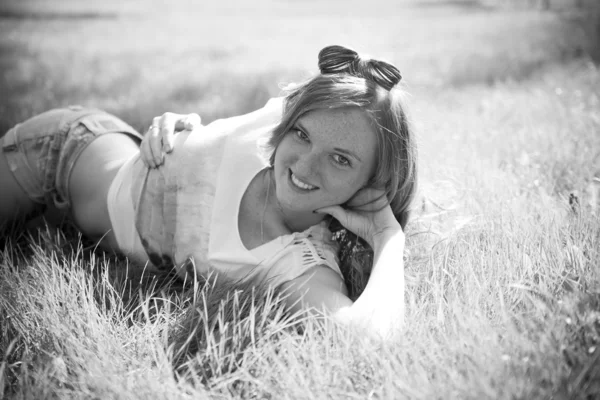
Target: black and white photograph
(300,199)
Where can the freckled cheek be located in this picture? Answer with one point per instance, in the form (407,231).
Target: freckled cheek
(285,154)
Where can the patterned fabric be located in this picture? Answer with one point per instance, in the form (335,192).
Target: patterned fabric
(186,212)
(299,253)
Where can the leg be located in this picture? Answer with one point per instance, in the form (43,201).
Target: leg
(65,159)
(90,180)
(27,161)
(15,204)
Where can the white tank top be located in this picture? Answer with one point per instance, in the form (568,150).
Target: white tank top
(188,208)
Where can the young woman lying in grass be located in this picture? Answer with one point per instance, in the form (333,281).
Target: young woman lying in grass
(309,194)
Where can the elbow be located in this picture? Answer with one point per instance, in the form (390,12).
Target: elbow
(381,325)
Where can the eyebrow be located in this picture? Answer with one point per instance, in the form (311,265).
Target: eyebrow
(338,149)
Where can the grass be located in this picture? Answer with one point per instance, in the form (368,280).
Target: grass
(503,277)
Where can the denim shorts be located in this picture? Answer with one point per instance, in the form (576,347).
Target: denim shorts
(42,151)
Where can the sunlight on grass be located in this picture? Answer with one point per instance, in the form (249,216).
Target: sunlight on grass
(503,284)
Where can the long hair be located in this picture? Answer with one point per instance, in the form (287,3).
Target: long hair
(396,170)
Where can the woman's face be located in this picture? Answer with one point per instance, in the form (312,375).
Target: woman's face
(324,159)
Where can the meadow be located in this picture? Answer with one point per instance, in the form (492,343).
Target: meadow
(503,248)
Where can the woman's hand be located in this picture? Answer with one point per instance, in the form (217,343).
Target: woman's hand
(370,216)
(161,135)
(380,307)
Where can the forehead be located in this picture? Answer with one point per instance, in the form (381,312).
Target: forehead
(347,128)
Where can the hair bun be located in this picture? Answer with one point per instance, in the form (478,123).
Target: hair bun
(384,74)
(339,59)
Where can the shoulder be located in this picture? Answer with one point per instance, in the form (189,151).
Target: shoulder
(318,286)
(302,254)
(318,281)
(316,246)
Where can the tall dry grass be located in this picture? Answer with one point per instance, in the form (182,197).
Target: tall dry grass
(503,285)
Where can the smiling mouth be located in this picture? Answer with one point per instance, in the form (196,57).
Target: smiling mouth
(299,184)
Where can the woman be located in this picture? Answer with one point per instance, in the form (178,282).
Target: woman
(253,196)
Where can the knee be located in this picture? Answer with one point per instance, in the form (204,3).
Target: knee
(15,203)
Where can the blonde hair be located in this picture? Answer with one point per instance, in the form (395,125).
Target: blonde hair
(396,170)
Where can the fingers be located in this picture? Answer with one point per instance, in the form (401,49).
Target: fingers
(336,212)
(167,126)
(350,220)
(160,138)
(146,153)
(155,139)
(368,199)
(189,121)
(171,123)
(366,221)
(148,147)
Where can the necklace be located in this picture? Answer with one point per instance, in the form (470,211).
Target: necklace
(262,218)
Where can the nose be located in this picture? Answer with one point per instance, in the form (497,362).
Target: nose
(307,165)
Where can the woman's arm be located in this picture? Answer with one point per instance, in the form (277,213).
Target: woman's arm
(381,305)
(380,308)
(160,137)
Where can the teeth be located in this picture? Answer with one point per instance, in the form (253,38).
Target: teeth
(301,184)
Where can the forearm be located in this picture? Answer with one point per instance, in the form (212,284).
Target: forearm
(381,305)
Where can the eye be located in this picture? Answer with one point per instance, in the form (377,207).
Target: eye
(301,135)
(341,160)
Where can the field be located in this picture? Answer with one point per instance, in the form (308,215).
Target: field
(503,252)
